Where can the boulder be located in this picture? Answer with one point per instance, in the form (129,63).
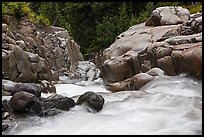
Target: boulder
(166,64)
(135,82)
(52,105)
(92,100)
(22,101)
(119,86)
(168,15)
(140,80)
(156,72)
(32,88)
(120,68)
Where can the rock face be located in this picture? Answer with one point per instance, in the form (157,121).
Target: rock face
(168,16)
(92,100)
(173,49)
(31,53)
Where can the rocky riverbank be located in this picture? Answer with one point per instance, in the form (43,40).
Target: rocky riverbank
(171,40)
(34,59)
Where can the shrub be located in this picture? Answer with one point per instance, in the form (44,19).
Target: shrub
(22,9)
(195,8)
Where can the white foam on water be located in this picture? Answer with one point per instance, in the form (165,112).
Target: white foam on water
(165,106)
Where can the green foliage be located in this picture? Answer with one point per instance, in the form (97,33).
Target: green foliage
(143,15)
(161,4)
(17,9)
(195,8)
(111,26)
(93,25)
(22,9)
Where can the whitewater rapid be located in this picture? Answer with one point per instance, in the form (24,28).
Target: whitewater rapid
(167,105)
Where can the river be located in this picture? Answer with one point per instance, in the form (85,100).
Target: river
(168,105)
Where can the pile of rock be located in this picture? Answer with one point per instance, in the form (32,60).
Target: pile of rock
(31,53)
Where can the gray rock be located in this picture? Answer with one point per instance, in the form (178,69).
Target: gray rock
(4,27)
(168,15)
(34,57)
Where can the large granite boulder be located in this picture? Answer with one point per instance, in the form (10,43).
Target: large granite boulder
(169,15)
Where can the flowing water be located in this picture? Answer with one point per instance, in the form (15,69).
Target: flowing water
(166,105)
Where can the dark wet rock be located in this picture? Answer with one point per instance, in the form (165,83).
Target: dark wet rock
(28,87)
(22,101)
(92,100)
(6,106)
(60,102)
(52,105)
(5,126)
